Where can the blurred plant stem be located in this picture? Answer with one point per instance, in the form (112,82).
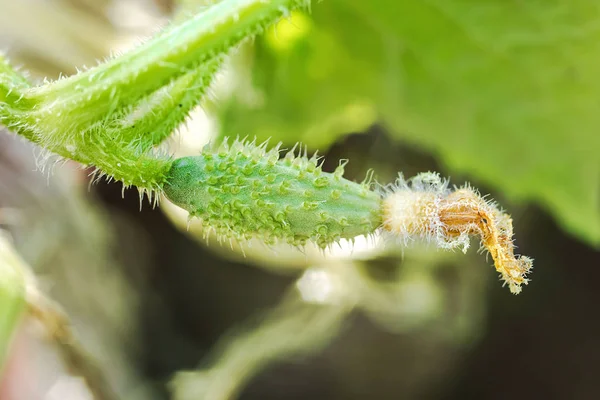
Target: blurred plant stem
(12,294)
(314,309)
(294,328)
(59,330)
(67,240)
(18,293)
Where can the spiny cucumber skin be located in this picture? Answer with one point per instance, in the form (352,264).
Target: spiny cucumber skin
(243,193)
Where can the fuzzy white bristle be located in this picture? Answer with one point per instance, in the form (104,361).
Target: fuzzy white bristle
(411,208)
(425,208)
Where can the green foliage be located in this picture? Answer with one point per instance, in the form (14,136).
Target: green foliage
(504,91)
(12,294)
(243,192)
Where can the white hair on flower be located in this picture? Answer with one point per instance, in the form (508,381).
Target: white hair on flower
(425,207)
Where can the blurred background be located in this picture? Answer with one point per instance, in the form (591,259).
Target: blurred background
(503,95)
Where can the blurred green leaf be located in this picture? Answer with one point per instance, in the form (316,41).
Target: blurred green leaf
(506,91)
(12,295)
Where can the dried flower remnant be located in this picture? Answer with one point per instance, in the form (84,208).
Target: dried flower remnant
(426,207)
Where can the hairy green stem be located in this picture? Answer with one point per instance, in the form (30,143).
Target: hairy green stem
(155,118)
(112,116)
(12,83)
(126,79)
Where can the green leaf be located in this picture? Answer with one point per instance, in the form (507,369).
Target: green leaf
(505,91)
(12,295)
